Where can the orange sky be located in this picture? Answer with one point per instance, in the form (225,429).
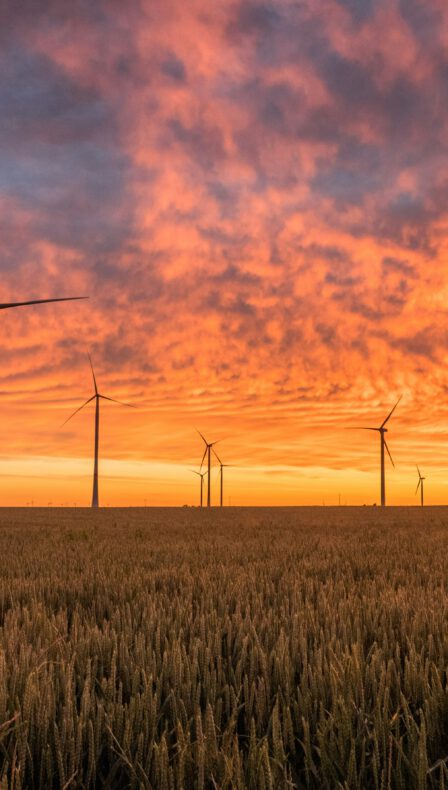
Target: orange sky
(254,197)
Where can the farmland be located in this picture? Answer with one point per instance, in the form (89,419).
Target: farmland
(235,648)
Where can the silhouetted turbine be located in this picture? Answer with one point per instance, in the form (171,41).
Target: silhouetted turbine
(201,475)
(96,397)
(382,430)
(221,467)
(420,485)
(207,451)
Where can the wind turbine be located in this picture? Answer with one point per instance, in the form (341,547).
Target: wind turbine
(420,485)
(96,397)
(383,430)
(221,467)
(207,452)
(201,475)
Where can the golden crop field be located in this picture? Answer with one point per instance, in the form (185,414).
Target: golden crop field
(236,648)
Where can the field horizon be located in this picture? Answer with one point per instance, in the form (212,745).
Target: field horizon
(217,508)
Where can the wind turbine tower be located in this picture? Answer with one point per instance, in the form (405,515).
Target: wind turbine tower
(207,452)
(382,431)
(420,485)
(201,475)
(221,467)
(97,396)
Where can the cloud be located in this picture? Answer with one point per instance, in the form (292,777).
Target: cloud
(361,10)
(253,195)
(60,160)
(173,67)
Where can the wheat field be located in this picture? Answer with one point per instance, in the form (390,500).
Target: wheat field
(235,648)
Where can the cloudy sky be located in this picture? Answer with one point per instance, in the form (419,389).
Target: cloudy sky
(253,195)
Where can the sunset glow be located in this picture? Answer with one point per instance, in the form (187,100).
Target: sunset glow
(253,196)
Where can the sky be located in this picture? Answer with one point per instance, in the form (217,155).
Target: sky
(253,195)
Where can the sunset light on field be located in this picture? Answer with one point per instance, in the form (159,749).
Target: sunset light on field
(253,196)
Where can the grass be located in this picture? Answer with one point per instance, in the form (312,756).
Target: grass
(242,648)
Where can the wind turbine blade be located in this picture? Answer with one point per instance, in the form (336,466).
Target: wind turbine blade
(391,412)
(361,428)
(120,402)
(203,457)
(418,470)
(202,437)
(77,410)
(195,473)
(216,454)
(418,486)
(6,305)
(388,452)
(93,374)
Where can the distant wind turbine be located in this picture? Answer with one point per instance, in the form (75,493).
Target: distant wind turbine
(207,452)
(201,475)
(96,397)
(383,430)
(420,485)
(221,467)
